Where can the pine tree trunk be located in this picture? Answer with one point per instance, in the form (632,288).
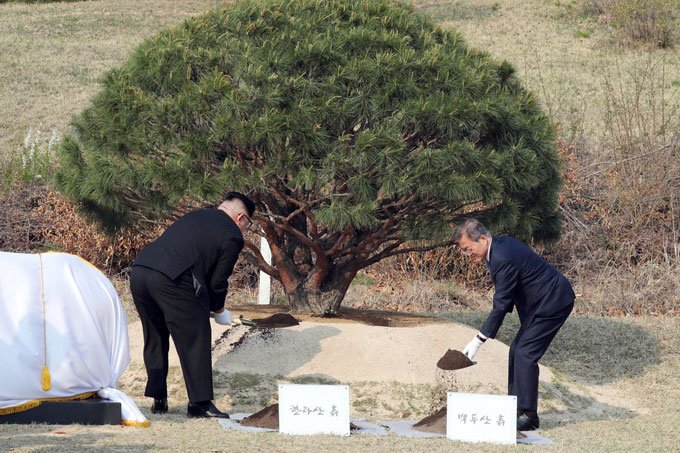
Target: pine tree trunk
(324,301)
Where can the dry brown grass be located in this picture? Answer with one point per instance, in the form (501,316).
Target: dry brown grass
(39,219)
(639,367)
(618,112)
(54,54)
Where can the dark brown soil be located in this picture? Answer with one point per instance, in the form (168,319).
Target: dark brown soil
(266,418)
(454,360)
(276,320)
(435,423)
(269,418)
(365,316)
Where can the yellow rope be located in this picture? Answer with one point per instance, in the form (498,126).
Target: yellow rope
(46,379)
(39,401)
(136,424)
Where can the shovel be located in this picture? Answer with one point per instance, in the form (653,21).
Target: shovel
(244,321)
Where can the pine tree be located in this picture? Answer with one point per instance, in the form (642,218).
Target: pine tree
(360,128)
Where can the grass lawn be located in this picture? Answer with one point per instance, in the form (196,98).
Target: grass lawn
(639,365)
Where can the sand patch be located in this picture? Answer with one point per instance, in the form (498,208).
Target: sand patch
(392,370)
(352,352)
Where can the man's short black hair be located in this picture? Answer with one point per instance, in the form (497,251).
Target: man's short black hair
(247,202)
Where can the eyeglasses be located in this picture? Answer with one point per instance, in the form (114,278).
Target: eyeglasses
(250,222)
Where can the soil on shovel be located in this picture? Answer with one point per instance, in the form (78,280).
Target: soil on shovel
(266,418)
(276,320)
(454,360)
(435,423)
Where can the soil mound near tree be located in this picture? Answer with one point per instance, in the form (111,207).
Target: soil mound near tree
(369,357)
(266,418)
(348,352)
(277,320)
(454,360)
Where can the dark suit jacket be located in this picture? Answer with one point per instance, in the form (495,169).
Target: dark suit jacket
(207,243)
(523,280)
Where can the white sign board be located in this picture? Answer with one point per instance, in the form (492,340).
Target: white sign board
(477,417)
(314,409)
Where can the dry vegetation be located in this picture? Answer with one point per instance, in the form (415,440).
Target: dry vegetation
(616,105)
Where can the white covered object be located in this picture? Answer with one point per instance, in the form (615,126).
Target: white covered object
(63,333)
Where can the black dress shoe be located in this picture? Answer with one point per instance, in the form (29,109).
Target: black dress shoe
(526,422)
(205,410)
(160,406)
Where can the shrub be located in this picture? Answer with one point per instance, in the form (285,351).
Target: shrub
(647,21)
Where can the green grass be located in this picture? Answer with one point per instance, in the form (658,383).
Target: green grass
(582,34)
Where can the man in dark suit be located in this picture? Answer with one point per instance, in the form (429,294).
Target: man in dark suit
(176,281)
(543,298)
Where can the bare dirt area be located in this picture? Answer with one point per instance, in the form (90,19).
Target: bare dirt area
(397,365)
(392,373)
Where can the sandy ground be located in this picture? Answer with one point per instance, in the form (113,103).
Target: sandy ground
(347,352)
(370,358)
(353,352)
(390,367)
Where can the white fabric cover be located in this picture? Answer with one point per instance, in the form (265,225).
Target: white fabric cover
(58,310)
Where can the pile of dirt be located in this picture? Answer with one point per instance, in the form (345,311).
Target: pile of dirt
(266,418)
(345,315)
(454,360)
(269,418)
(350,352)
(434,423)
(277,320)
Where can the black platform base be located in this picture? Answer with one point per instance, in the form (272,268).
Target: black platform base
(86,412)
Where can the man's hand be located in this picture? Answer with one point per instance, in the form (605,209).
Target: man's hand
(223,317)
(472,347)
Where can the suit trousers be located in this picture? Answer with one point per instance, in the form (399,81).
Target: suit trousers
(532,340)
(171,308)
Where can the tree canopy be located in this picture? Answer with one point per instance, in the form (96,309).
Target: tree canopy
(359,127)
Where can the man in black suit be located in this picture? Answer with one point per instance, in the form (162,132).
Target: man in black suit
(176,281)
(543,298)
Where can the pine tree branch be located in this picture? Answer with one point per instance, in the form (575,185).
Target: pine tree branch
(342,239)
(390,251)
(284,227)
